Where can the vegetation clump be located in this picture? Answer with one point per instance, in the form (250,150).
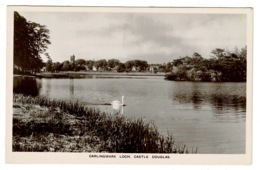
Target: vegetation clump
(44,125)
(222,67)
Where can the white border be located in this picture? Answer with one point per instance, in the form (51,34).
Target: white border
(16,157)
(179,3)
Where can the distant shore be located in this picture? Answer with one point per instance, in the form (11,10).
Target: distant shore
(79,74)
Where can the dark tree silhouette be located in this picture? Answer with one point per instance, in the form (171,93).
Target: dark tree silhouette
(31,40)
(112,63)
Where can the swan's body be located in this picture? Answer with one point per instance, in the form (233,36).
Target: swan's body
(116,105)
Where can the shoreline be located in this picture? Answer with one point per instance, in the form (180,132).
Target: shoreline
(82,74)
(102,73)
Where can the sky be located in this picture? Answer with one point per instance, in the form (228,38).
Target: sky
(154,37)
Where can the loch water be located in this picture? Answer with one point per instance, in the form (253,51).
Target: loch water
(210,116)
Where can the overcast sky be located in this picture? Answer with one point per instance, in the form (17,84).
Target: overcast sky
(156,38)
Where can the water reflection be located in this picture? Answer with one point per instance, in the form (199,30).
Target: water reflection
(196,97)
(48,89)
(220,97)
(26,86)
(222,101)
(71,87)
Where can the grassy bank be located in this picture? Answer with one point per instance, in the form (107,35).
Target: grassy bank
(40,124)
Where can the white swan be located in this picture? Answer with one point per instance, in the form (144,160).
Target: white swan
(116,105)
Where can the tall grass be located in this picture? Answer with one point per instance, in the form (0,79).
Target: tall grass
(71,123)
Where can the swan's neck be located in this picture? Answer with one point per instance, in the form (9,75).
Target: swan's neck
(122,100)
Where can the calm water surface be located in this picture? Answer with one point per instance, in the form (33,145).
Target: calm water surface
(210,116)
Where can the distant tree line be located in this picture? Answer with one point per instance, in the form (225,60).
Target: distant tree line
(223,66)
(30,43)
(100,65)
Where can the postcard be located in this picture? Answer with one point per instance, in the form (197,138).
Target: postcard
(106,85)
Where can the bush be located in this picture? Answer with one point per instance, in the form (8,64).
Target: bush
(170,76)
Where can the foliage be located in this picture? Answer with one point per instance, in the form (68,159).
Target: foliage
(80,62)
(112,63)
(169,67)
(101,64)
(30,42)
(49,65)
(141,65)
(223,66)
(56,66)
(121,67)
(129,65)
(66,66)
(218,53)
(90,64)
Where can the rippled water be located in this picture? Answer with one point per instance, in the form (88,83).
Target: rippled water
(210,116)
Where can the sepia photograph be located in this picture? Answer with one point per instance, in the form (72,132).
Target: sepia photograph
(130,83)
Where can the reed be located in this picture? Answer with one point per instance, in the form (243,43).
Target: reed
(41,124)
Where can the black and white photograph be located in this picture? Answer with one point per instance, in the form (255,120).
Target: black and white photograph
(130,83)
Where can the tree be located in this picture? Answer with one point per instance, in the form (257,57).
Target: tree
(129,65)
(66,66)
(182,72)
(141,65)
(243,62)
(49,65)
(218,52)
(90,64)
(162,68)
(101,64)
(80,62)
(113,63)
(169,67)
(177,62)
(121,67)
(56,66)
(30,42)
(243,53)
(197,56)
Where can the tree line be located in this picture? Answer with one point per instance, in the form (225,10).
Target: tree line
(222,66)
(99,65)
(107,65)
